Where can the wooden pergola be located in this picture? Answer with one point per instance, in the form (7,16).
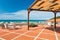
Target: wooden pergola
(45,5)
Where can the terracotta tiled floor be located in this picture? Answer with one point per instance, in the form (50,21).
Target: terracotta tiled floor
(42,32)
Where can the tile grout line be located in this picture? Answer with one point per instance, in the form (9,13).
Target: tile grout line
(10,32)
(55,34)
(14,32)
(33,36)
(39,34)
(5,34)
(22,34)
(19,35)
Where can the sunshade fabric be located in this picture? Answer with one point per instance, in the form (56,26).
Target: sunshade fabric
(46,5)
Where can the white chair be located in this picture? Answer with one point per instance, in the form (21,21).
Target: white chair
(2,25)
(6,25)
(18,25)
(11,25)
(49,23)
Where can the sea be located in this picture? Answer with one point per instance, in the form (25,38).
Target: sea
(19,21)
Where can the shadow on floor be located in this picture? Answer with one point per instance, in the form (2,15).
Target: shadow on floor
(51,28)
(58,29)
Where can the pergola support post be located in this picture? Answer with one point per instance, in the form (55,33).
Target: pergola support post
(55,20)
(28,17)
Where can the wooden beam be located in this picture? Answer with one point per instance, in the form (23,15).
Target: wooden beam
(43,10)
(55,20)
(34,3)
(28,18)
(41,3)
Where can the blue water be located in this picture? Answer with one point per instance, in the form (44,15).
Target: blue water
(22,21)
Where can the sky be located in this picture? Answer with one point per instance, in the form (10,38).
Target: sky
(17,10)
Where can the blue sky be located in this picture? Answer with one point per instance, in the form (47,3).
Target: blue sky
(17,10)
(14,5)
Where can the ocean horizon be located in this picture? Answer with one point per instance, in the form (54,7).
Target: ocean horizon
(22,21)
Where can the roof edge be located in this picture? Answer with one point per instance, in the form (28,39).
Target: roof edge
(32,4)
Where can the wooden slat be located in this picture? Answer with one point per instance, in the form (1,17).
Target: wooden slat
(40,5)
(33,3)
(52,1)
(54,4)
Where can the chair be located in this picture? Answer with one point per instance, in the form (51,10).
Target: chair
(11,25)
(2,25)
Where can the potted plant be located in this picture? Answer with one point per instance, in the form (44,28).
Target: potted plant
(33,25)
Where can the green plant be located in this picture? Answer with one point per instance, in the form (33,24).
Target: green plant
(33,25)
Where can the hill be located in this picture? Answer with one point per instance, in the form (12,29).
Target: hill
(56,17)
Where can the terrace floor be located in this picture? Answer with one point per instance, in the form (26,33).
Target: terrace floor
(42,32)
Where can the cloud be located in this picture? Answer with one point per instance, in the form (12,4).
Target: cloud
(40,15)
(22,15)
(19,15)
